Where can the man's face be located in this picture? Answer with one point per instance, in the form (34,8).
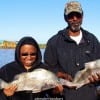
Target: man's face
(74,20)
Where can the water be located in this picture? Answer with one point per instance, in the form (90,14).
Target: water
(7,55)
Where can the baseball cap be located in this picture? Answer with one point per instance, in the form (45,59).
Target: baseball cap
(73,6)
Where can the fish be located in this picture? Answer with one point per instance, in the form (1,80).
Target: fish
(36,81)
(42,79)
(81,77)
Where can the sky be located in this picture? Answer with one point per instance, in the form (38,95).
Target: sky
(42,19)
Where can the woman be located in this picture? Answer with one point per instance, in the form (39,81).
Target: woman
(27,58)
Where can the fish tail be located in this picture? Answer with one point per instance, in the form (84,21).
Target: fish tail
(64,82)
(3,84)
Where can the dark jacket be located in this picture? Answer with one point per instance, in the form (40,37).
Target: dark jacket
(8,71)
(63,54)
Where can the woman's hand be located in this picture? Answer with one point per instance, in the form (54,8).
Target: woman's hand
(10,90)
(58,89)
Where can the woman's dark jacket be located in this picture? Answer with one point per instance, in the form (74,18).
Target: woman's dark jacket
(8,71)
(63,54)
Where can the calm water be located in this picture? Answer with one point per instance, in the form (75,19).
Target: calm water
(7,55)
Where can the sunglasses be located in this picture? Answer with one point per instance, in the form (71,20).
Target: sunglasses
(74,14)
(26,54)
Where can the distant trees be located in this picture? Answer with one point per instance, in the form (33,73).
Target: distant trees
(12,44)
(8,44)
(42,46)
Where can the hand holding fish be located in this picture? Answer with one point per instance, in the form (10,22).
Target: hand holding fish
(91,73)
(37,81)
(10,90)
(94,77)
(41,79)
(64,76)
(58,89)
(66,80)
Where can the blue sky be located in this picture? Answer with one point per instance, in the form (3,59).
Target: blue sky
(42,19)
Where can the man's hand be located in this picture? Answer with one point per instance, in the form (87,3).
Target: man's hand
(59,88)
(94,77)
(10,90)
(64,76)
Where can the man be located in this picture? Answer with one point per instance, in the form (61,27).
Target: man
(70,49)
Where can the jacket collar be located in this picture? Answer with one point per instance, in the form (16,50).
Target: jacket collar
(85,37)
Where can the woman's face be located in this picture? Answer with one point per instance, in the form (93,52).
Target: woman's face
(28,54)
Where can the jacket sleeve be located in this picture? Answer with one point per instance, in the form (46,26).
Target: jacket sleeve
(96,47)
(2,95)
(50,57)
